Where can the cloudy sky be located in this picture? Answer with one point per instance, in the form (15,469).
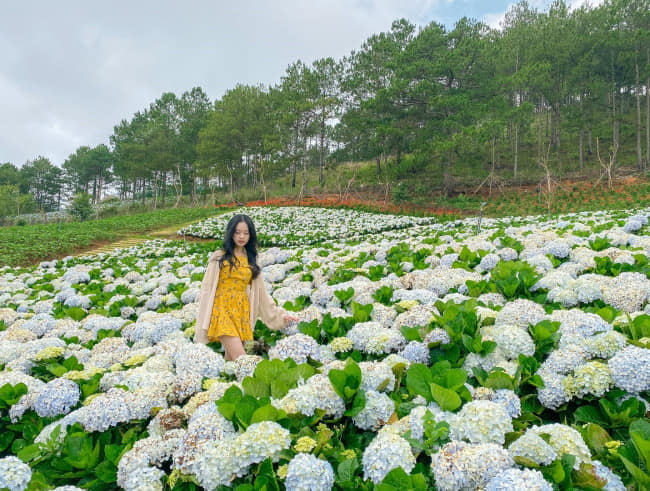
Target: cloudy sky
(71,70)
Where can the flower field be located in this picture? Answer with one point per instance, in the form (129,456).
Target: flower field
(428,355)
(301,225)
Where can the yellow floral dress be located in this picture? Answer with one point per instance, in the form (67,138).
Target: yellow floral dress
(231,309)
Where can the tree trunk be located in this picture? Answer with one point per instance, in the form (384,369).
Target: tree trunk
(164,187)
(590,141)
(539,128)
(516,152)
(193,188)
(321,153)
(582,155)
(378,165)
(647,115)
(615,125)
(144,189)
(304,165)
(639,156)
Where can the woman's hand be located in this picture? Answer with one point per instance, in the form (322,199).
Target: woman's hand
(290,318)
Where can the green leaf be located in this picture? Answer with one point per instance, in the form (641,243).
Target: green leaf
(338,378)
(454,378)
(642,478)
(589,414)
(264,413)
(279,389)
(358,403)
(29,452)
(419,380)
(245,409)
(596,437)
(640,434)
(448,400)
(499,380)
(411,333)
(106,471)
(586,477)
(256,387)
(346,469)
(397,479)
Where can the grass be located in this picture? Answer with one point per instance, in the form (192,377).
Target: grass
(29,244)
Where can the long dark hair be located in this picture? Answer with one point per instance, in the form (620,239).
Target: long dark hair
(251,245)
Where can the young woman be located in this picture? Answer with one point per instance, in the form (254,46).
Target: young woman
(233,294)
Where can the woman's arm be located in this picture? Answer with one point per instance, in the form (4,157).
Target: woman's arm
(271,314)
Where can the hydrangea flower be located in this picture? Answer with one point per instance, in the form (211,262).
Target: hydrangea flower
(377,411)
(533,447)
(57,397)
(481,422)
(309,473)
(511,340)
(630,369)
(416,352)
(459,465)
(386,452)
(341,344)
(518,479)
(299,347)
(564,439)
(14,474)
(217,464)
(316,393)
(370,337)
(521,313)
(591,378)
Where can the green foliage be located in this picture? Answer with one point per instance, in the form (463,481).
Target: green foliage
(399,480)
(298,304)
(274,378)
(345,296)
(347,384)
(636,328)
(600,244)
(80,208)
(440,384)
(435,435)
(546,336)
(244,410)
(83,459)
(514,278)
(52,368)
(635,454)
(384,295)
(461,323)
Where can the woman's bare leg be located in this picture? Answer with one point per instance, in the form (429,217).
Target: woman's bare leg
(233,346)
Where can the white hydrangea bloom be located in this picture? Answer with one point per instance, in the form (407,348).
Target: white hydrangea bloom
(533,447)
(511,340)
(630,369)
(309,473)
(377,411)
(459,465)
(591,378)
(481,422)
(386,452)
(14,474)
(564,439)
(518,479)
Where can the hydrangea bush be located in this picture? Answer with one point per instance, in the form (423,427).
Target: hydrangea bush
(427,355)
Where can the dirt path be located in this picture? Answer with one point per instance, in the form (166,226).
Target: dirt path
(168,233)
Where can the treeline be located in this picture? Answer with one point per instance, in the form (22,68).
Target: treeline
(563,88)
